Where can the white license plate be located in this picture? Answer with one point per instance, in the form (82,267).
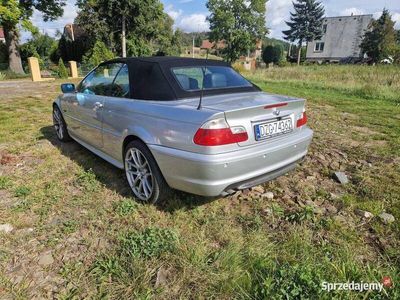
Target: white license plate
(271,129)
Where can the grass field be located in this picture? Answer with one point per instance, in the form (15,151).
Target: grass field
(77,232)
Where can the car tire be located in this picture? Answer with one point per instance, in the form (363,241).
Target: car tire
(143,174)
(59,125)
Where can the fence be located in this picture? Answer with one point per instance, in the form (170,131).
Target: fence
(83,70)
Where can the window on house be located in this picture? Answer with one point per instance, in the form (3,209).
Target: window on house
(324,27)
(319,46)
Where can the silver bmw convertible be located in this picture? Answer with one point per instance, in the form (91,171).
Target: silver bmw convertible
(179,123)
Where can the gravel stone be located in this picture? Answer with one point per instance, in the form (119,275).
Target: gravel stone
(6,228)
(363,214)
(386,218)
(341,177)
(268,195)
(46,259)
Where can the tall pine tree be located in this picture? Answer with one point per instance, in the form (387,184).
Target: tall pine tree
(305,23)
(380,41)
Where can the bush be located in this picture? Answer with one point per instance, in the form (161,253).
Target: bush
(272,54)
(62,70)
(2,76)
(98,54)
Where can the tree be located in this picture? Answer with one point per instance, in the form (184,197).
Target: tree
(239,23)
(177,42)
(380,41)
(305,23)
(147,25)
(15,13)
(40,46)
(272,54)
(98,54)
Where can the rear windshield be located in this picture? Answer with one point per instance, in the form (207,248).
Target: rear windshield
(212,77)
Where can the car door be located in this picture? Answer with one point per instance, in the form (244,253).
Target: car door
(87,108)
(114,118)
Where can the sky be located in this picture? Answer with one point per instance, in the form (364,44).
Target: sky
(190,15)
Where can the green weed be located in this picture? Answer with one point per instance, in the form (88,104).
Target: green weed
(125,207)
(152,242)
(107,267)
(69,226)
(22,191)
(87,180)
(305,214)
(284,281)
(4,182)
(251,223)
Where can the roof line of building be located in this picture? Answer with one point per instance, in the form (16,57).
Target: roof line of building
(353,16)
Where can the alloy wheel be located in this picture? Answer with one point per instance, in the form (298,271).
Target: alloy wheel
(58,123)
(139,174)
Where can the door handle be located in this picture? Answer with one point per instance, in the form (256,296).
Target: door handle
(97,105)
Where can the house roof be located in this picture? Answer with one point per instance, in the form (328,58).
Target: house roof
(352,16)
(206,44)
(1,33)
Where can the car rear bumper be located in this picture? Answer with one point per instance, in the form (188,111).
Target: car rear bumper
(213,175)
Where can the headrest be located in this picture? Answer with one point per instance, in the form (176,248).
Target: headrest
(215,80)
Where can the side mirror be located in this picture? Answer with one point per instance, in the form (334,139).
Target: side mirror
(68,88)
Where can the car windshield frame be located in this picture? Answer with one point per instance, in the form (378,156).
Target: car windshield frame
(203,74)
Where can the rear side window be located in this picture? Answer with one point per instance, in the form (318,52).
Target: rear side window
(211,77)
(100,80)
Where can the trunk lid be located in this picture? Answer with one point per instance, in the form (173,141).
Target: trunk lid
(251,109)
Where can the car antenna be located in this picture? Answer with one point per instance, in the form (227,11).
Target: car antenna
(202,86)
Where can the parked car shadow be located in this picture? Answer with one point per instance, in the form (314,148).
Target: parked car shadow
(114,178)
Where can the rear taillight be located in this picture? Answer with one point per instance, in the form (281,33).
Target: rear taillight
(302,120)
(217,132)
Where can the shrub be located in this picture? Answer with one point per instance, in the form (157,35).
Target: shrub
(62,70)
(2,76)
(272,54)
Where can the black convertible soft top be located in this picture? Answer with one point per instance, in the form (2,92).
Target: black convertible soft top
(151,78)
